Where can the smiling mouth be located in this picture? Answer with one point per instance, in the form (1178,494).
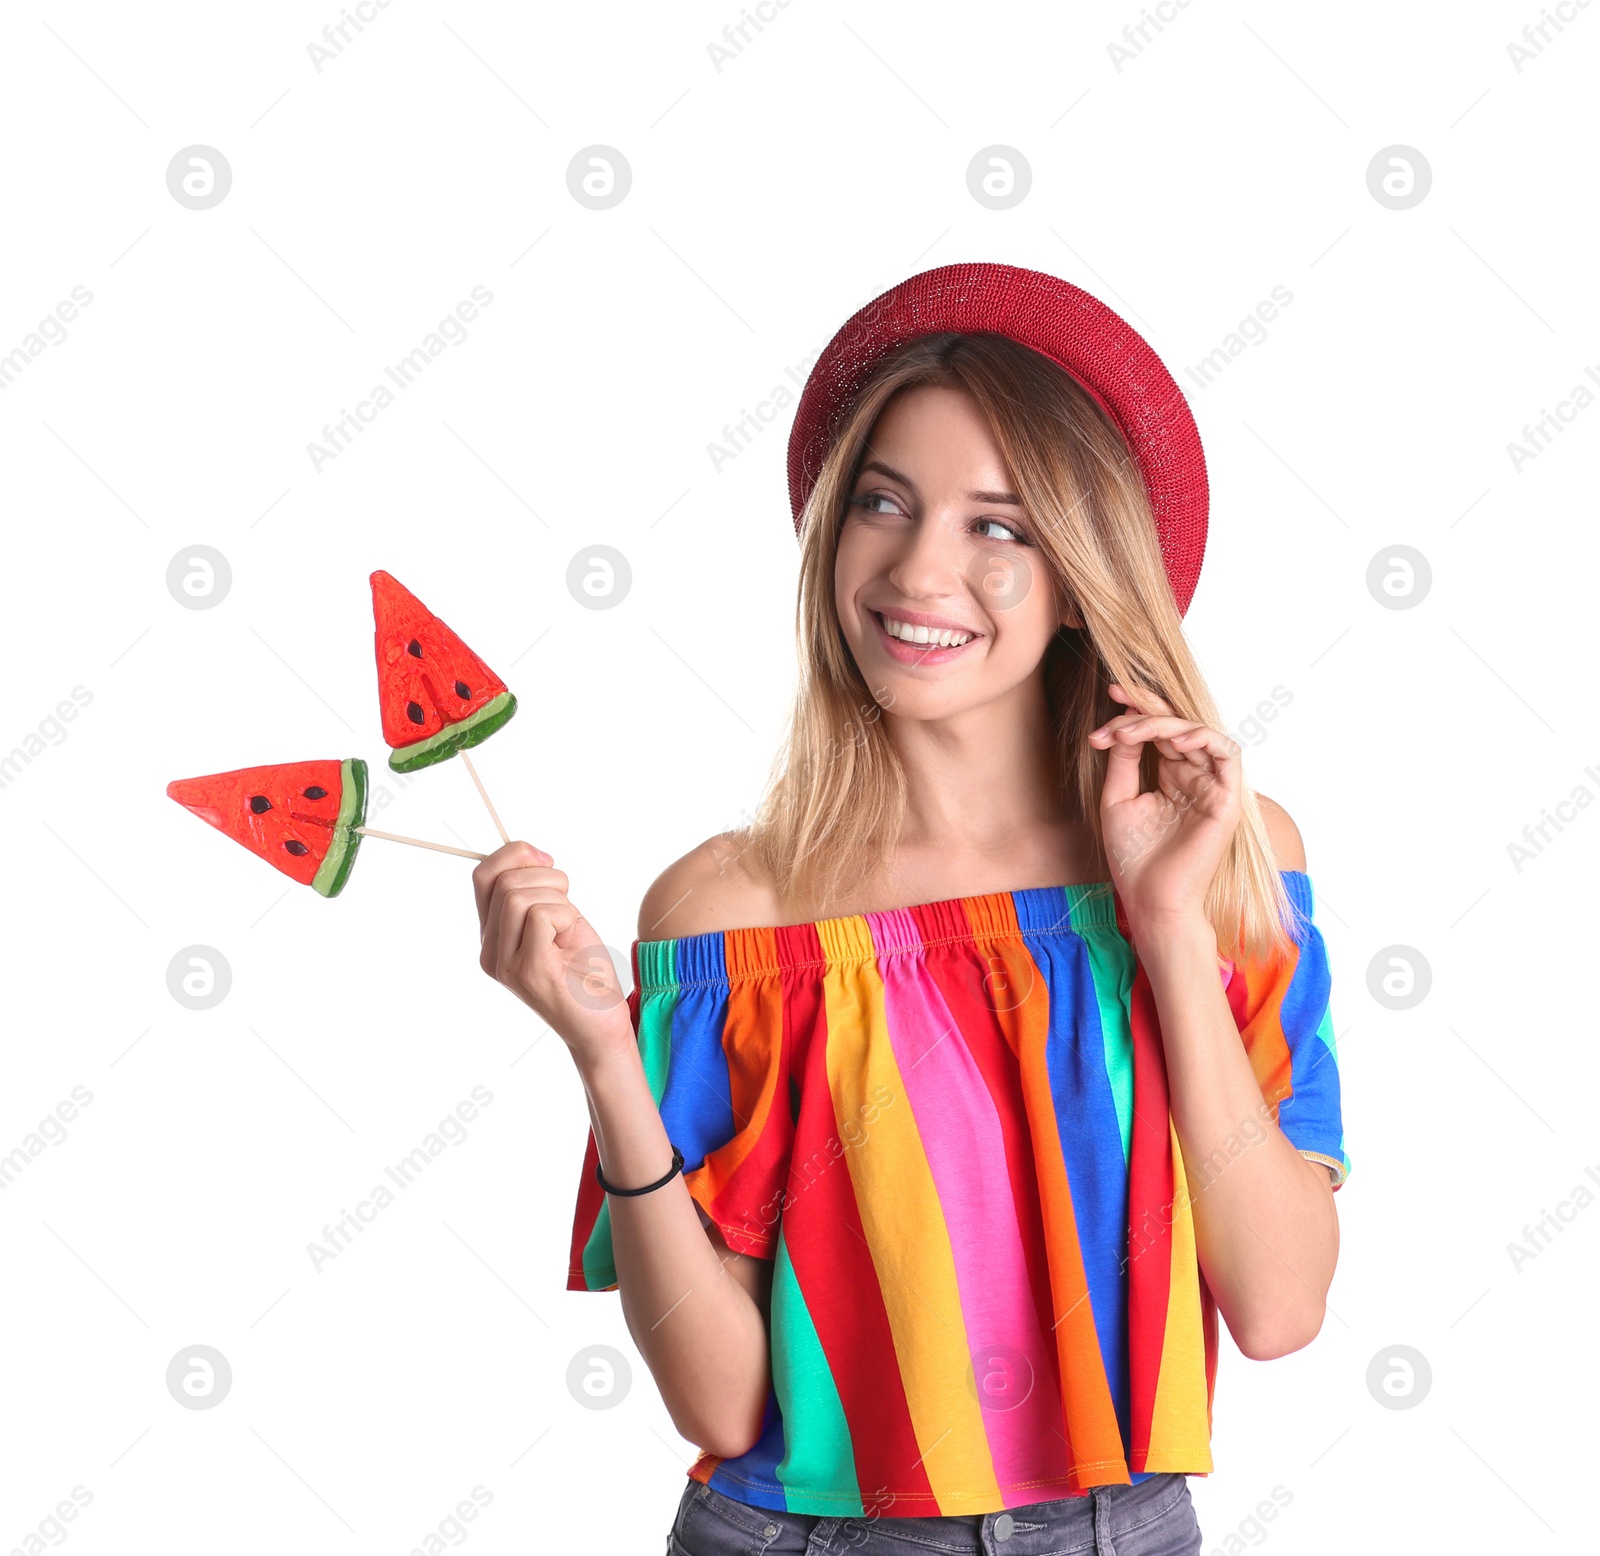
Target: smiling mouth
(934,648)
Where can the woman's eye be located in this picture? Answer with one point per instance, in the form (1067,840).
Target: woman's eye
(868,499)
(1012,532)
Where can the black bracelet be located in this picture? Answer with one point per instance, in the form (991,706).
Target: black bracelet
(672,1172)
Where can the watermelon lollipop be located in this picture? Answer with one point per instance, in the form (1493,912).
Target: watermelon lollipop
(301,817)
(435,695)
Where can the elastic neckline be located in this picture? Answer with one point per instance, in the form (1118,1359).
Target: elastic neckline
(723,955)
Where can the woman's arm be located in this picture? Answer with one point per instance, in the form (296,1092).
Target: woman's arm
(1266,1231)
(697,1311)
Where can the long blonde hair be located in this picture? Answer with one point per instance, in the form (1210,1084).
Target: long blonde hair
(834,803)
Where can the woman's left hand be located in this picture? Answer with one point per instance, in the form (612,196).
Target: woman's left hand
(1164,847)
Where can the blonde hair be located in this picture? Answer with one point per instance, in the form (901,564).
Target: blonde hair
(834,803)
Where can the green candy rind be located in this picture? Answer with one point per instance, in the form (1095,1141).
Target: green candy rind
(455,737)
(334,870)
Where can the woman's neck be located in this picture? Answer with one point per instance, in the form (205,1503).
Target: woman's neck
(985,810)
(980,781)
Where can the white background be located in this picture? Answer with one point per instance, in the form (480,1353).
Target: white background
(769,199)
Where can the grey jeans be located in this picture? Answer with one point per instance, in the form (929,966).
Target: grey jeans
(1153,1518)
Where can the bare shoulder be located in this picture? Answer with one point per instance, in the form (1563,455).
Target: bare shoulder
(1287,846)
(712,887)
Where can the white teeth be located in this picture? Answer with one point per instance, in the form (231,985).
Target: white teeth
(943,638)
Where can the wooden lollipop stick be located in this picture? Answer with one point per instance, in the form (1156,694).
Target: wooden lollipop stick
(416,842)
(483,794)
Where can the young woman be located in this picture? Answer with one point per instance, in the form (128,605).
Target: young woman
(961,1091)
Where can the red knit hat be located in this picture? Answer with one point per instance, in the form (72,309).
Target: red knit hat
(1100,349)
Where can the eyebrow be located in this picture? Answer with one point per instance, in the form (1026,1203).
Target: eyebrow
(1009,499)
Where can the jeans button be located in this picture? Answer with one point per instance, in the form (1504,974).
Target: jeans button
(1003,1526)
(770,1530)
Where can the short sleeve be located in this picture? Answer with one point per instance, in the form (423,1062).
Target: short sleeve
(714,1056)
(1282,1007)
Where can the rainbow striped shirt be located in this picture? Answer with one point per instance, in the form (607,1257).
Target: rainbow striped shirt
(948,1127)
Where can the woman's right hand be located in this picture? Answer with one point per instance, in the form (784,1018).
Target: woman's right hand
(544,950)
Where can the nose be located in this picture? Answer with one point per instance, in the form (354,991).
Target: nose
(929,564)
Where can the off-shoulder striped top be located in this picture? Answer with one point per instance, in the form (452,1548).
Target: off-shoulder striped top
(948,1127)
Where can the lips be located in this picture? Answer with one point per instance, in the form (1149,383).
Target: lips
(919,653)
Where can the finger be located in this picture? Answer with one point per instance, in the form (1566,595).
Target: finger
(1149,726)
(507,857)
(514,915)
(490,916)
(529,890)
(1125,737)
(1193,746)
(1148,701)
(1216,755)
(1210,744)
(1180,746)
(517,907)
(536,881)
(1116,721)
(545,925)
(542,875)
(1127,728)
(506,909)
(1122,774)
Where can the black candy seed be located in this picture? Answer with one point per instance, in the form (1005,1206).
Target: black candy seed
(463,691)
(316,792)
(414,712)
(414,648)
(260,804)
(296,847)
